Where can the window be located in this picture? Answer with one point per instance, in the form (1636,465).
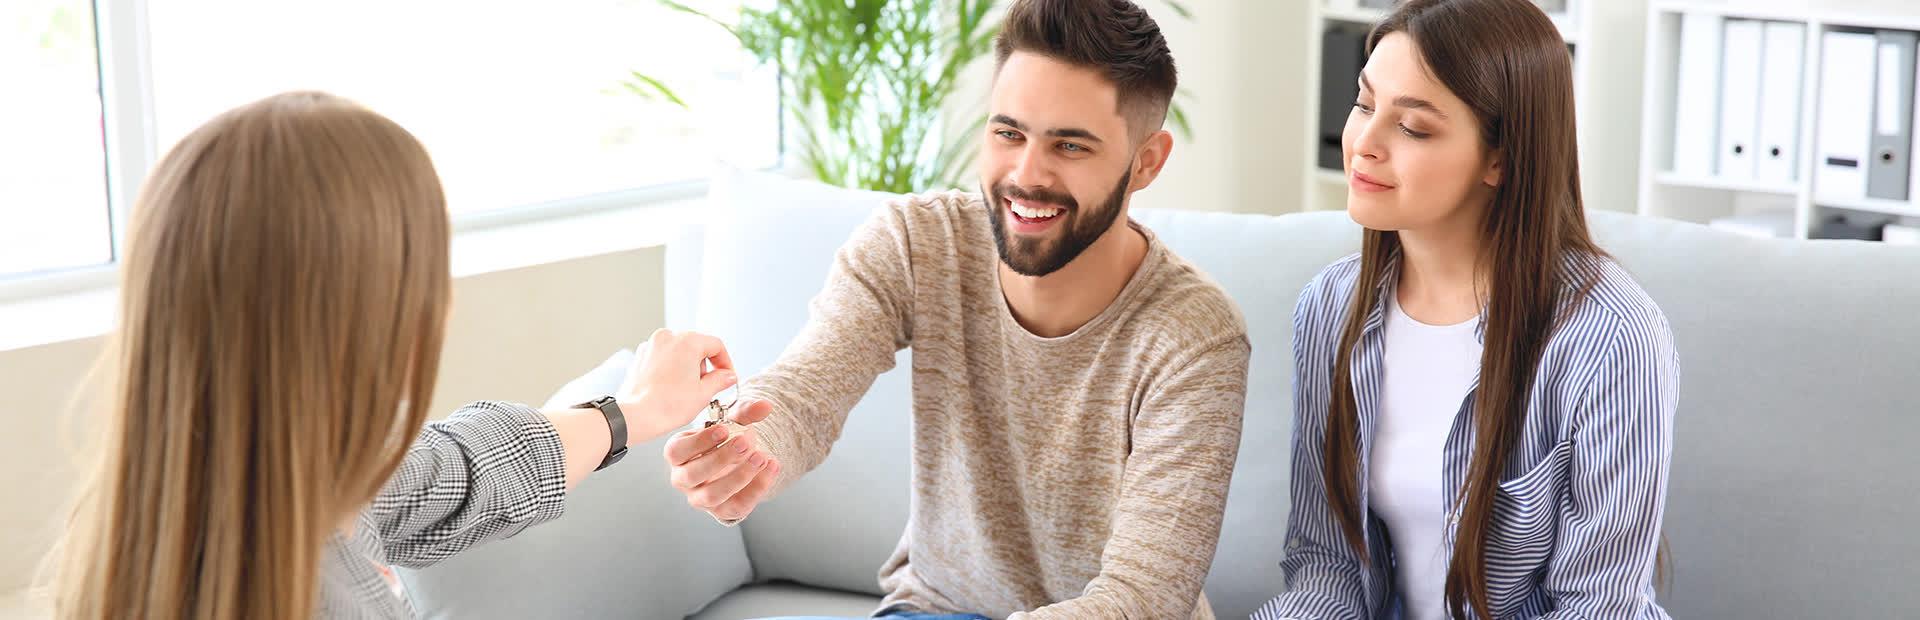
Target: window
(53,182)
(519,102)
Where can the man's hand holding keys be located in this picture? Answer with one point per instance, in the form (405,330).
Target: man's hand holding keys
(722,468)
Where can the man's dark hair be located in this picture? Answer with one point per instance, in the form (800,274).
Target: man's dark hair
(1115,37)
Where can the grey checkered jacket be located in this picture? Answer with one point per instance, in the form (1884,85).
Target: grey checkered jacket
(485,473)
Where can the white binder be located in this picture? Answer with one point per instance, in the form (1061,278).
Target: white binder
(1696,122)
(1779,155)
(1739,100)
(1846,115)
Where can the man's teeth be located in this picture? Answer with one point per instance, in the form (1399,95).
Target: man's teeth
(1034,213)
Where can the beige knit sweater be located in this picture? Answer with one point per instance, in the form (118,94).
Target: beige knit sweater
(1074,477)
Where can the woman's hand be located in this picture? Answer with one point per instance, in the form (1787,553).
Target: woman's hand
(671,382)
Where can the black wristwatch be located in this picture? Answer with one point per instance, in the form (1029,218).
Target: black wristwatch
(616,423)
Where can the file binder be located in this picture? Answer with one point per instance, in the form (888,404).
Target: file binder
(1846,114)
(1785,53)
(1739,99)
(1697,101)
(1888,165)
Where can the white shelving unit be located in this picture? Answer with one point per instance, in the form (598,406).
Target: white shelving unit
(1326,190)
(1702,199)
(1674,179)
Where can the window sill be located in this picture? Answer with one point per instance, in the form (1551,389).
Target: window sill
(564,231)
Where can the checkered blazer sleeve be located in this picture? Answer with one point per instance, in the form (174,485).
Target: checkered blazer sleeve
(485,473)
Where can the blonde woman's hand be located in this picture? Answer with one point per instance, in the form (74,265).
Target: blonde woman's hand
(671,381)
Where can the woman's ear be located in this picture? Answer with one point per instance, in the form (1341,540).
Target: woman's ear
(1492,175)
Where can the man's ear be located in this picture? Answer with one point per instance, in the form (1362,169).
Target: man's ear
(1151,158)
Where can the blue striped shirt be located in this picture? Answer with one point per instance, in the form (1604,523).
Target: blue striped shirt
(1576,524)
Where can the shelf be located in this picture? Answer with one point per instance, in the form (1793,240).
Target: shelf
(1670,179)
(1569,30)
(1355,15)
(1327,189)
(1759,226)
(1782,12)
(1900,208)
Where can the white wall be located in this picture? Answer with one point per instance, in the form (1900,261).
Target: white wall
(1610,142)
(37,389)
(1241,62)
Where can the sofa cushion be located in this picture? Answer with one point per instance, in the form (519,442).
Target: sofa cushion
(1263,263)
(1793,488)
(687,253)
(602,559)
(769,244)
(788,599)
(1796,483)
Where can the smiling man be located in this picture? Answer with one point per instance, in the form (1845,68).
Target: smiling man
(1077,387)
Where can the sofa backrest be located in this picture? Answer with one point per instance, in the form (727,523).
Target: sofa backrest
(1795,481)
(1795,486)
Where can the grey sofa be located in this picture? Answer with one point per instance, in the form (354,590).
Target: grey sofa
(1795,489)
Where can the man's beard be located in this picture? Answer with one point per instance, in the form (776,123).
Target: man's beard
(1039,257)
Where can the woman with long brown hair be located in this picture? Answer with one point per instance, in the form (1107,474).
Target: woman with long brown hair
(1483,399)
(283,303)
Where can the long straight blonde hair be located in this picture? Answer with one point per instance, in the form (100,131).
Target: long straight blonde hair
(283,298)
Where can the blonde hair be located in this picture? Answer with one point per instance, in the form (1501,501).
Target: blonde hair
(284,292)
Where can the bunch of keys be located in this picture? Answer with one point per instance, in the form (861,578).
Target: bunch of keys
(717,416)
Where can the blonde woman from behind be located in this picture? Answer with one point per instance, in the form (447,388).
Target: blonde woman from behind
(265,452)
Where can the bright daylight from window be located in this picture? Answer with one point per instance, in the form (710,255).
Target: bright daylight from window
(520,102)
(53,183)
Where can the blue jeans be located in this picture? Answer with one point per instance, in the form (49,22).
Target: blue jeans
(895,615)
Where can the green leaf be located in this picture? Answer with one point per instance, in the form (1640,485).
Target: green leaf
(1179,9)
(700,14)
(959,153)
(867,83)
(1178,116)
(646,86)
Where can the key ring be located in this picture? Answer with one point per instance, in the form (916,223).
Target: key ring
(717,413)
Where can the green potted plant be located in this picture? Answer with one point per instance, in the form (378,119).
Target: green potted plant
(866,83)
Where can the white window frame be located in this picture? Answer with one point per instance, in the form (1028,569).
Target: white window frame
(122,34)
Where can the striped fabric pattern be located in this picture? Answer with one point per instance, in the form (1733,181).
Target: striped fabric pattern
(1576,522)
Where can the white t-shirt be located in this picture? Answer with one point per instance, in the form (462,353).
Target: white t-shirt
(1428,370)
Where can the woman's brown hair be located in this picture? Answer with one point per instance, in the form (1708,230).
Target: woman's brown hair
(1507,61)
(282,308)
